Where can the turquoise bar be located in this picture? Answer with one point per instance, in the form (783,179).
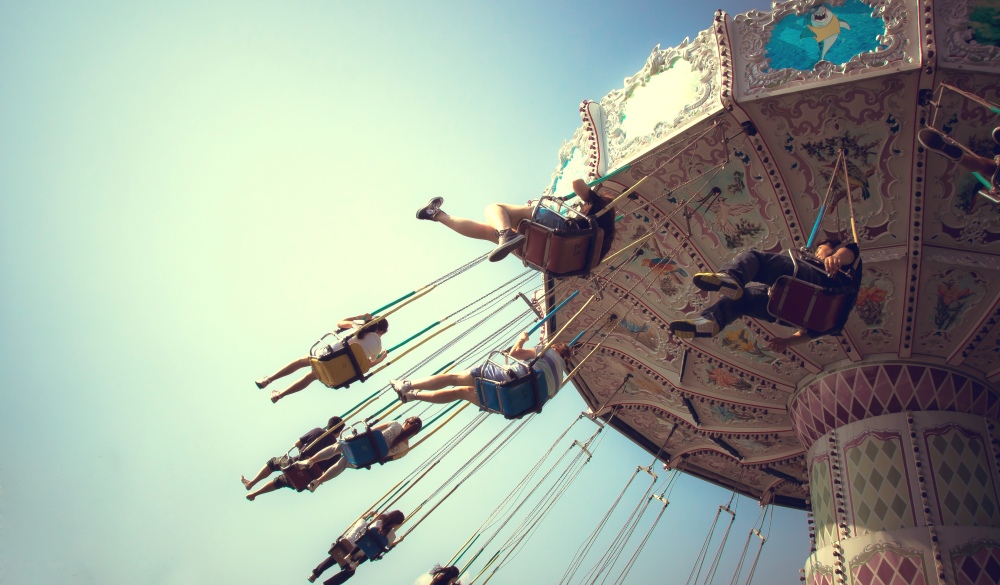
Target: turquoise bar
(414,336)
(812,234)
(393,303)
(982,179)
(552,312)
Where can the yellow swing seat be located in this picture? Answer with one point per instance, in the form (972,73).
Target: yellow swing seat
(339,368)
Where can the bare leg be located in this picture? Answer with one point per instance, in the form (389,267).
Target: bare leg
(305,381)
(502,216)
(979,164)
(467,393)
(266,488)
(442,381)
(291,367)
(264,472)
(467,227)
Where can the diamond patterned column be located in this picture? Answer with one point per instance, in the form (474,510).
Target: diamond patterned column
(904,476)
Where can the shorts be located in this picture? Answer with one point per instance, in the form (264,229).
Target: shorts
(279,463)
(281,482)
(492,371)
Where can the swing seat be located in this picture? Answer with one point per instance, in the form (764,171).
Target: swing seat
(299,478)
(339,368)
(514,398)
(365,449)
(560,246)
(373,544)
(341,552)
(806,305)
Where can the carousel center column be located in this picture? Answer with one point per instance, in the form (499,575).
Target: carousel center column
(904,469)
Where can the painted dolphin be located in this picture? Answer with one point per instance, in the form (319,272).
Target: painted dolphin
(825,26)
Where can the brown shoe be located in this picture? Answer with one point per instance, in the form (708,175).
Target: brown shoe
(509,241)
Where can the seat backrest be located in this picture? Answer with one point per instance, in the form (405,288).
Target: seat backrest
(806,305)
(515,398)
(341,367)
(298,477)
(373,544)
(560,253)
(366,449)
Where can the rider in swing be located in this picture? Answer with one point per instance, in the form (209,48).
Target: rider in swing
(743,290)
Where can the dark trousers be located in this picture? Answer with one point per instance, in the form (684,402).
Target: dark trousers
(756,272)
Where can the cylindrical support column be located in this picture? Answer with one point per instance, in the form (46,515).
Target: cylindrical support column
(904,476)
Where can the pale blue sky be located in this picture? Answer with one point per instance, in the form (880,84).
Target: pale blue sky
(191,193)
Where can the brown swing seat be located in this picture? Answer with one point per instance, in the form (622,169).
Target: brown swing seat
(299,478)
(340,367)
(806,305)
(560,246)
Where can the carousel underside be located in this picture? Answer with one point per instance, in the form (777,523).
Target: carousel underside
(735,136)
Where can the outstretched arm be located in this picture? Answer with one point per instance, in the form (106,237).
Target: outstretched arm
(380,357)
(350,322)
(780,344)
(517,351)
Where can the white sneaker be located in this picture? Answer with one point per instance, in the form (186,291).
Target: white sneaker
(402,388)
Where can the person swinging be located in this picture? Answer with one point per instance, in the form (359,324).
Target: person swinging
(938,142)
(397,438)
(444,388)
(502,220)
(367,337)
(743,286)
(308,445)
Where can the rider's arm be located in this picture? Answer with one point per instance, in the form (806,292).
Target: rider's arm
(518,351)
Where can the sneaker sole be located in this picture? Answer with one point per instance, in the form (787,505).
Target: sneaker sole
(501,252)
(711,282)
(435,203)
(685,330)
(937,143)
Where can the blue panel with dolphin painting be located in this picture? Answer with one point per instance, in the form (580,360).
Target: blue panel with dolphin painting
(825,33)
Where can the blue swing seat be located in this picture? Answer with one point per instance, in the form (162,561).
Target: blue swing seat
(365,449)
(513,398)
(373,544)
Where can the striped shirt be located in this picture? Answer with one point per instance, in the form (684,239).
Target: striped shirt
(552,366)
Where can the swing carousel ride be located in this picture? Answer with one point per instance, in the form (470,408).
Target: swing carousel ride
(887,434)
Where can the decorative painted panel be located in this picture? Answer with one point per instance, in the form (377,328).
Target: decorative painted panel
(676,86)
(867,122)
(879,483)
(819,574)
(949,294)
(962,476)
(873,308)
(960,217)
(823,506)
(967,32)
(977,562)
(888,564)
(803,41)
